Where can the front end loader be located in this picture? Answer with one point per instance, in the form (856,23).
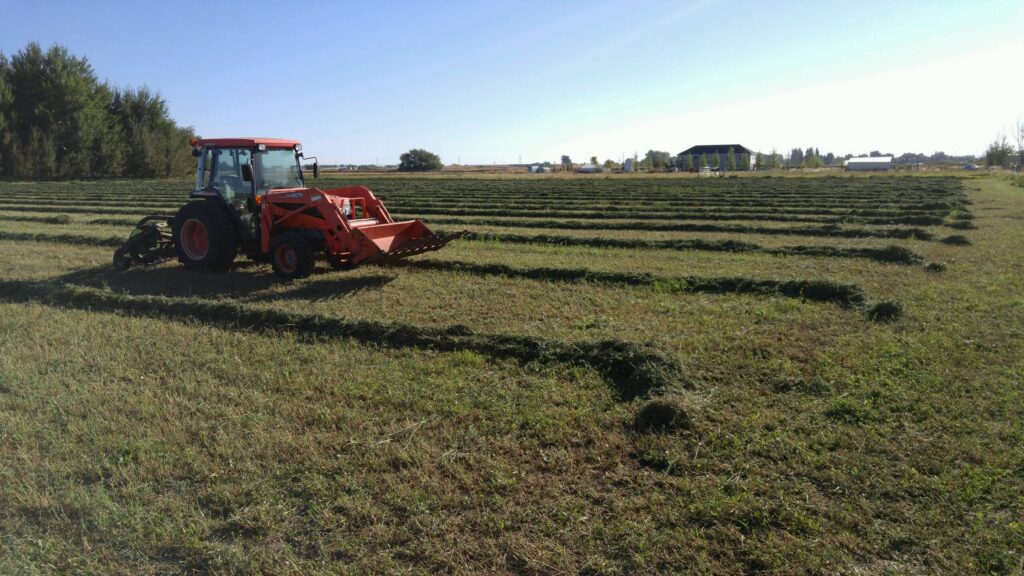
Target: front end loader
(250,197)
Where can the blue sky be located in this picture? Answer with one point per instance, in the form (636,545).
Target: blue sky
(485,82)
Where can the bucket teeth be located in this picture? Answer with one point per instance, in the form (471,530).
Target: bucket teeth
(413,247)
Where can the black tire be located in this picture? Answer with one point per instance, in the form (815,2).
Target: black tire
(209,219)
(122,259)
(292,255)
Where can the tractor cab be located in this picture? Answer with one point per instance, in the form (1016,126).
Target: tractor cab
(238,169)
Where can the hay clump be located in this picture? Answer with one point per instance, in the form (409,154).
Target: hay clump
(885,311)
(667,413)
(956,240)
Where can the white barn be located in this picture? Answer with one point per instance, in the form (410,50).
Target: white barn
(864,164)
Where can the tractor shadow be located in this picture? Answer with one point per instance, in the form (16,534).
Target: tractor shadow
(249,280)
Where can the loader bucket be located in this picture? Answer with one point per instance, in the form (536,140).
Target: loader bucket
(385,242)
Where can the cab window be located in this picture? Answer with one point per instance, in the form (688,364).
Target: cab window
(223,173)
(279,168)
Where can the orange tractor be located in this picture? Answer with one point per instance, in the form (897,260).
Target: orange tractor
(250,197)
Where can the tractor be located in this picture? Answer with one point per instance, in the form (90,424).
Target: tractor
(250,197)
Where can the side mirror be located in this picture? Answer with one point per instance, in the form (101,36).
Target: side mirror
(247,172)
(316,169)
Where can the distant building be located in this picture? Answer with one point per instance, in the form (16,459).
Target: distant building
(589,169)
(745,157)
(628,165)
(880,163)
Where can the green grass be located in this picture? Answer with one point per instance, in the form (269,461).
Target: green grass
(502,407)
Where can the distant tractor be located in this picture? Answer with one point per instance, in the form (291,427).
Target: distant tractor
(250,197)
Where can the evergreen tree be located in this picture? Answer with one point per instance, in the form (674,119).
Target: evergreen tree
(796,157)
(731,160)
(5,102)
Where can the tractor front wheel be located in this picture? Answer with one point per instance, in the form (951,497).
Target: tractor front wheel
(205,237)
(292,256)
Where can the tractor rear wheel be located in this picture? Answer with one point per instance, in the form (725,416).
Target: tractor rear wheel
(292,256)
(205,236)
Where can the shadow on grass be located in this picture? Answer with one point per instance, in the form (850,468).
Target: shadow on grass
(246,279)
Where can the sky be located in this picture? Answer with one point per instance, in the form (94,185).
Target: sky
(481,82)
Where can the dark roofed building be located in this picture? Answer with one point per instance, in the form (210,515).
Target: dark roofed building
(745,157)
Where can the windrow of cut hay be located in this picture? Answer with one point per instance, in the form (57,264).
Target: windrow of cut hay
(632,369)
(696,202)
(498,209)
(848,295)
(889,254)
(892,254)
(828,231)
(913,220)
(72,239)
(613,211)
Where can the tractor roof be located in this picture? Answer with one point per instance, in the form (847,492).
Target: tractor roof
(249,142)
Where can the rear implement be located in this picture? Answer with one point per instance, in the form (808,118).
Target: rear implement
(149,242)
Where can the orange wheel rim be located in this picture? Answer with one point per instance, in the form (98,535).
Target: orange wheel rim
(287,260)
(195,241)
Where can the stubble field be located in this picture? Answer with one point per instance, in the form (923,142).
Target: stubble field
(605,376)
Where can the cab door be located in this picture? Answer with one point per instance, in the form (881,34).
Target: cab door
(229,173)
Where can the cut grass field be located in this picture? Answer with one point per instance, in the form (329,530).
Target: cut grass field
(601,405)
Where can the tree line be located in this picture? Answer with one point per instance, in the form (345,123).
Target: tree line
(1001,153)
(58,121)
